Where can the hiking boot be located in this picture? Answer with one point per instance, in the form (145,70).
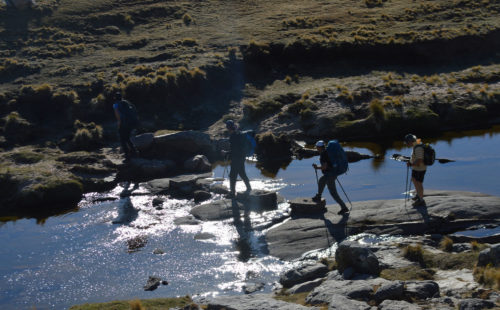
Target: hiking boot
(419,202)
(343,211)
(248,191)
(317,198)
(415,198)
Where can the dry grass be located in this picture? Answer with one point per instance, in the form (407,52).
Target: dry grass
(489,276)
(446,244)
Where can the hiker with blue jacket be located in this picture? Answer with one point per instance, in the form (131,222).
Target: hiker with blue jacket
(328,178)
(237,154)
(127,121)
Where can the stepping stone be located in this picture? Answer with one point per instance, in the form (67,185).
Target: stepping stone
(307,206)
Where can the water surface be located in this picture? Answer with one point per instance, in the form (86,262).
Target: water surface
(83,256)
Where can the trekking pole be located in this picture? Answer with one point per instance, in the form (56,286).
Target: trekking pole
(406,185)
(345,193)
(316,171)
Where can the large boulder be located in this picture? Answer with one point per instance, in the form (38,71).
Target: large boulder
(340,302)
(357,256)
(217,210)
(143,141)
(253,302)
(392,290)
(475,304)
(305,206)
(397,305)
(147,168)
(354,289)
(184,144)
(259,200)
(421,289)
(198,163)
(303,274)
(489,256)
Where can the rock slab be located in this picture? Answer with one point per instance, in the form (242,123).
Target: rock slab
(301,206)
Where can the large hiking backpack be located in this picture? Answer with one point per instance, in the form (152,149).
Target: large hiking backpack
(250,143)
(128,114)
(338,157)
(429,154)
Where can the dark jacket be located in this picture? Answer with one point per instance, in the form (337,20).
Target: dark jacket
(237,142)
(324,158)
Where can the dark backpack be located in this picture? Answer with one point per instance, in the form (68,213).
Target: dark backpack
(338,157)
(128,114)
(429,154)
(250,143)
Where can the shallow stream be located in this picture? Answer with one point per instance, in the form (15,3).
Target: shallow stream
(83,256)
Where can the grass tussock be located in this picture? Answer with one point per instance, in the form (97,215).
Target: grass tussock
(446,244)
(88,136)
(414,253)
(489,276)
(17,129)
(136,305)
(149,304)
(299,298)
(11,68)
(408,273)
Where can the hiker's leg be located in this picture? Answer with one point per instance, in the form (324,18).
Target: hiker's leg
(123,140)
(233,173)
(130,145)
(417,177)
(333,191)
(244,176)
(321,185)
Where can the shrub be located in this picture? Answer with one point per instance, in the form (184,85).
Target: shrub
(414,253)
(254,110)
(488,276)
(446,244)
(475,245)
(187,19)
(377,109)
(87,135)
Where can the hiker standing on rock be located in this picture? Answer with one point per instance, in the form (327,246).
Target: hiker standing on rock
(328,178)
(126,115)
(237,141)
(418,168)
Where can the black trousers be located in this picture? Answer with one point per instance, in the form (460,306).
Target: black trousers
(238,167)
(127,145)
(329,180)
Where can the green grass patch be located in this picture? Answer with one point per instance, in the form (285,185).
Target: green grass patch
(408,273)
(149,304)
(26,157)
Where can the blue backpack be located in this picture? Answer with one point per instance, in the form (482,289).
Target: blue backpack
(337,157)
(250,142)
(128,113)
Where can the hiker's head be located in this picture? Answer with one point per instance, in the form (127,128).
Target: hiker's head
(410,139)
(320,145)
(231,126)
(118,96)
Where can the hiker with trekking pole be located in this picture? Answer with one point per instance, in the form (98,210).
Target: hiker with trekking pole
(331,167)
(239,150)
(126,117)
(418,166)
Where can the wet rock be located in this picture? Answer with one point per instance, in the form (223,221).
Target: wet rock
(198,163)
(334,275)
(152,284)
(157,201)
(303,206)
(143,141)
(185,185)
(305,287)
(200,196)
(186,220)
(136,243)
(259,200)
(204,236)
(340,302)
(397,305)
(357,256)
(146,168)
(421,289)
(303,274)
(250,288)
(158,252)
(252,302)
(489,256)
(217,210)
(392,290)
(475,304)
(299,235)
(219,189)
(348,273)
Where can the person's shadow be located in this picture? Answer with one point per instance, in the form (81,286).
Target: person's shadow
(337,231)
(244,229)
(126,211)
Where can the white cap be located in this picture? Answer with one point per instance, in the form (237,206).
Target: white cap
(320,143)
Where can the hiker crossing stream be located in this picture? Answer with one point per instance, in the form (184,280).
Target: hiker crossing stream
(116,240)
